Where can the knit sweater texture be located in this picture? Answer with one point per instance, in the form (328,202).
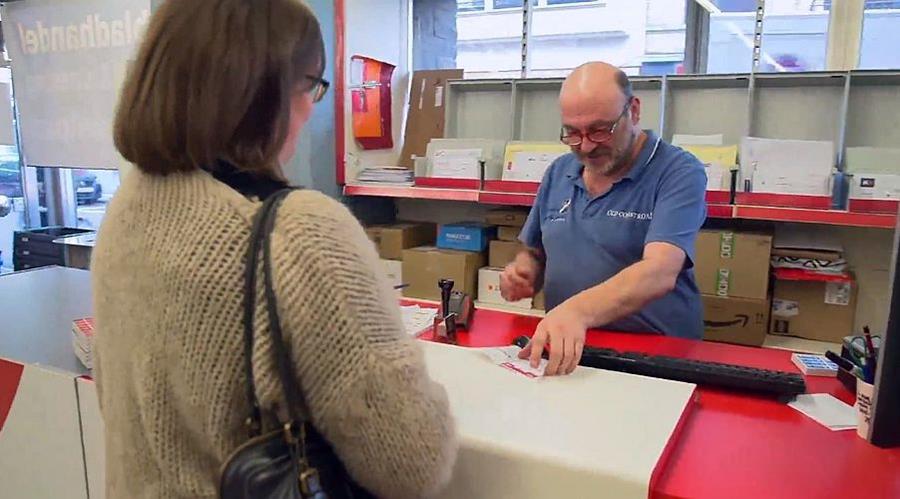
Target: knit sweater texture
(168,273)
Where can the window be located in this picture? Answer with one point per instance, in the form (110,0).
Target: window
(74,197)
(489,40)
(880,36)
(484,37)
(640,37)
(11,187)
(795,35)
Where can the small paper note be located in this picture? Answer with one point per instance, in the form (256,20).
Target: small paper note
(826,410)
(508,358)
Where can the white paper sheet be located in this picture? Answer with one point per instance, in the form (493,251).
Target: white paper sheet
(457,163)
(826,410)
(416,319)
(528,166)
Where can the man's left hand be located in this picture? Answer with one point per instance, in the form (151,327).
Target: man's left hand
(563,329)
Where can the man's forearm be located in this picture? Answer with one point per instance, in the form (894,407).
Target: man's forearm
(624,294)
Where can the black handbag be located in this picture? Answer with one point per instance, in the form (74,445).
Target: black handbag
(291,461)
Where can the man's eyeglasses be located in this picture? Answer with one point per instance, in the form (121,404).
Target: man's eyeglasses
(319,87)
(598,136)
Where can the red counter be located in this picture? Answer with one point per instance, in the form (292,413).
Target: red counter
(736,445)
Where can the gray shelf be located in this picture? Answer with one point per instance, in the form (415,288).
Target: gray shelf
(851,109)
(708,105)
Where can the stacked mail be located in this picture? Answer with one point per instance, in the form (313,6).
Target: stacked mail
(82,340)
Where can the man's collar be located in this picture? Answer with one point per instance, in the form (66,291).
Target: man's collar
(646,154)
(648,149)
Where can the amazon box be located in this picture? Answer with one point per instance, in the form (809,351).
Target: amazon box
(815,310)
(742,321)
(392,239)
(733,264)
(504,252)
(423,267)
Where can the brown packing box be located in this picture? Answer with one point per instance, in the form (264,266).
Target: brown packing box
(509,218)
(505,233)
(538,303)
(392,239)
(733,264)
(504,252)
(424,266)
(735,320)
(426,111)
(814,310)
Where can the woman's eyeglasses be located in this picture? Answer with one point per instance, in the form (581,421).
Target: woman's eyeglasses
(598,136)
(319,87)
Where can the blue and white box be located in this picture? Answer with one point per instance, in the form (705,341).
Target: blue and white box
(466,236)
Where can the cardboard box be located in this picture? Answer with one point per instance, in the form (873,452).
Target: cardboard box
(426,111)
(539,301)
(424,266)
(505,233)
(735,320)
(823,311)
(489,289)
(466,236)
(733,264)
(503,252)
(509,218)
(392,239)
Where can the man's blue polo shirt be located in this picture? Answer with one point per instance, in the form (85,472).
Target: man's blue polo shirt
(588,241)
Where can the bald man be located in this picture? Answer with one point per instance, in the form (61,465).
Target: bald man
(611,235)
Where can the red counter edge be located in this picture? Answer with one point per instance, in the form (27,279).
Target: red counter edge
(662,464)
(9,370)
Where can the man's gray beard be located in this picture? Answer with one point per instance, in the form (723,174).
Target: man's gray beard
(617,166)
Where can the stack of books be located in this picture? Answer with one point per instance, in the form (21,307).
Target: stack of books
(387,175)
(83,339)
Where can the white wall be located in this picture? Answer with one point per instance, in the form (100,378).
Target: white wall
(378,29)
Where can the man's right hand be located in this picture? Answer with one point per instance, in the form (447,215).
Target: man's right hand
(519,279)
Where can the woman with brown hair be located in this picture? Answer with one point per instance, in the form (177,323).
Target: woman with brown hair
(210,110)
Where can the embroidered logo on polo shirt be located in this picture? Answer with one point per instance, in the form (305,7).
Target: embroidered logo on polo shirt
(630,215)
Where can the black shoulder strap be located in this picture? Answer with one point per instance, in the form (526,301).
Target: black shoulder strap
(260,238)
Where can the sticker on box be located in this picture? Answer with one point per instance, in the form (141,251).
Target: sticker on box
(837,293)
(723,282)
(785,308)
(726,245)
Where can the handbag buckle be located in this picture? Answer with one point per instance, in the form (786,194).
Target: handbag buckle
(309,482)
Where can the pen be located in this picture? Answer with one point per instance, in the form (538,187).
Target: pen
(870,347)
(401,286)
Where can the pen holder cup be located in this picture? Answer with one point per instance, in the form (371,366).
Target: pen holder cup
(847,379)
(864,394)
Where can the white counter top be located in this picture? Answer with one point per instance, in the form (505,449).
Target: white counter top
(36,313)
